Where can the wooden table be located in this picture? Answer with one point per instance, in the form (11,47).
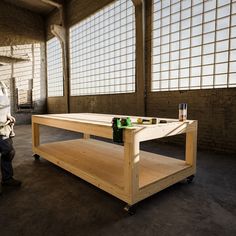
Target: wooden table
(123,171)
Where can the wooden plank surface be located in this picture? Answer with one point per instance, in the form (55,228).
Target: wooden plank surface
(73,125)
(105,119)
(106,162)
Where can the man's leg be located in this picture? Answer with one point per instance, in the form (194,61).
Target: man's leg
(8,153)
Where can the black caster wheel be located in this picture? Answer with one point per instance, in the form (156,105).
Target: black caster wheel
(130,209)
(190,179)
(36,157)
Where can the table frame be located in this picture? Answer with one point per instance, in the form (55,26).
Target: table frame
(100,125)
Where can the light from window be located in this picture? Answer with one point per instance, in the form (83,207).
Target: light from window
(54,68)
(27,73)
(36,72)
(5,68)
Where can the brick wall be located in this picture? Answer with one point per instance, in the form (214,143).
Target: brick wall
(215,111)
(18,26)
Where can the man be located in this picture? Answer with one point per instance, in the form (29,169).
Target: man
(6,145)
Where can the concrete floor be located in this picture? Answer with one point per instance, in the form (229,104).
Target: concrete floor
(52,201)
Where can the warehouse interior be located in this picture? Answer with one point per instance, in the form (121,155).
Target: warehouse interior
(125,57)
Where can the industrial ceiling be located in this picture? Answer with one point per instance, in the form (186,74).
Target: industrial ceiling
(42,7)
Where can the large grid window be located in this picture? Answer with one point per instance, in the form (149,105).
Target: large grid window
(194,44)
(26,73)
(102,50)
(54,68)
(5,68)
(23,71)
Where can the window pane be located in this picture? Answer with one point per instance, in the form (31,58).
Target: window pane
(209,5)
(196,10)
(222,34)
(196,30)
(232,79)
(233,44)
(208,59)
(195,82)
(175,7)
(232,67)
(223,11)
(208,38)
(209,16)
(233,55)
(174,84)
(233,20)
(207,70)
(222,46)
(196,71)
(223,2)
(221,79)
(184,83)
(195,61)
(197,20)
(196,51)
(174,74)
(221,68)
(174,46)
(209,27)
(174,64)
(165,66)
(196,41)
(184,72)
(223,23)
(222,57)
(208,48)
(207,81)
(184,63)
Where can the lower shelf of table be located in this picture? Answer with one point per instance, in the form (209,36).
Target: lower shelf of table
(105,161)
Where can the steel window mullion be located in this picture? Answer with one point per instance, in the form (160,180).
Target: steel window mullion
(229,46)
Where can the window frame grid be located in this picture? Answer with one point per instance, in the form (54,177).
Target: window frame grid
(101,66)
(55,76)
(214,74)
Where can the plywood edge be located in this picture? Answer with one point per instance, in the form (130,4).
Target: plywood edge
(156,187)
(74,125)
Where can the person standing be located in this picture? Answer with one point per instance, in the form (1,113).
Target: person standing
(7,150)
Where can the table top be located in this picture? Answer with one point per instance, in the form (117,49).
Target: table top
(103,119)
(101,125)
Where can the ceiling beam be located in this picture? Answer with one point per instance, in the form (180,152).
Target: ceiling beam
(52,3)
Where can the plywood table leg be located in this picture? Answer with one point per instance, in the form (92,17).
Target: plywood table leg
(131,169)
(35,135)
(191,148)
